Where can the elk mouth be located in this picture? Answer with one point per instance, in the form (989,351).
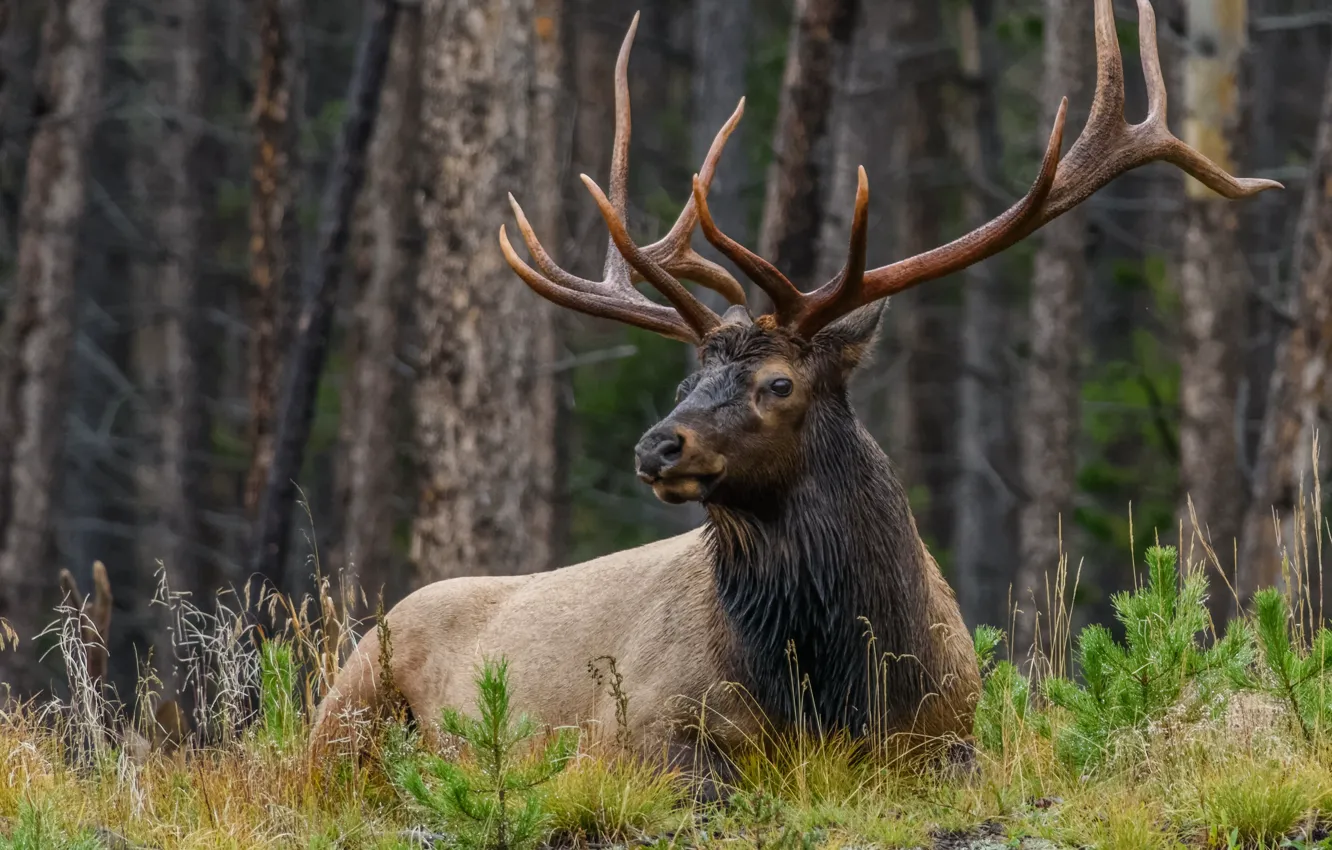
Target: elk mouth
(675,487)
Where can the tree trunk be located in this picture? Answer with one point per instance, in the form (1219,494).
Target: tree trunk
(36,337)
(179,229)
(793,209)
(1051,395)
(484,398)
(551,128)
(721,57)
(1299,387)
(274,230)
(309,349)
(984,544)
(862,118)
(20,21)
(1213,284)
(390,244)
(923,322)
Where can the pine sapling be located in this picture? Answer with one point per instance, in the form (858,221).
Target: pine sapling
(1005,708)
(1160,665)
(1299,677)
(490,801)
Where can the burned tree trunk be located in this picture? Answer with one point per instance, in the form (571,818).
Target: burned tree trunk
(1299,389)
(1213,283)
(793,209)
(484,397)
(1050,397)
(309,349)
(274,231)
(390,243)
(36,338)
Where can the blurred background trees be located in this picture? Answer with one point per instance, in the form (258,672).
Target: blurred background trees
(1156,357)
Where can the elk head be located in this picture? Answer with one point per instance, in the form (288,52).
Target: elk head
(743,422)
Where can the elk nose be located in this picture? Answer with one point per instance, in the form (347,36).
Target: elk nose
(659,449)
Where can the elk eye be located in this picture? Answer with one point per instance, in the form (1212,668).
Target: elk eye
(781,387)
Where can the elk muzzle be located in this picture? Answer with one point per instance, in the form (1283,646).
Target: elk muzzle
(673,459)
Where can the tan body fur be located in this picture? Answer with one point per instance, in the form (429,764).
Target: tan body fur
(653,609)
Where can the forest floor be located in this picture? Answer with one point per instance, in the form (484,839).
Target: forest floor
(1168,737)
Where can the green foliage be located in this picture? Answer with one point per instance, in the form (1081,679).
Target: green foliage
(1254,809)
(1130,401)
(1300,678)
(279,707)
(771,825)
(1004,711)
(613,800)
(624,385)
(490,801)
(37,829)
(1160,666)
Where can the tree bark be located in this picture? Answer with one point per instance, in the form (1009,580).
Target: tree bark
(984,543)
(721,57)
(1051,394)
(390,249)
(484,397)
(20,21)
(179,229)
(36,337)
(1213,283)
(1299,389)
(923,322)
(274,230)
(793,208)
(309,349)
(862,118)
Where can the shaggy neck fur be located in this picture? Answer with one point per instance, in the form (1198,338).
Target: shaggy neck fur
(809,566)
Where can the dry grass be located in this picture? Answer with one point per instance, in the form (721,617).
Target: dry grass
(1242,777)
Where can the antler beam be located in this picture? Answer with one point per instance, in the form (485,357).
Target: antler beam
(615,296)
(1107,147)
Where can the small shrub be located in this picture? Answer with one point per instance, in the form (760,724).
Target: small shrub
(280,713)
(1160,666)
(490,801)
(1004,712)
(612,801)
(1255,809)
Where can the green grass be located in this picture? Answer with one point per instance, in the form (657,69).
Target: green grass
(1166,738)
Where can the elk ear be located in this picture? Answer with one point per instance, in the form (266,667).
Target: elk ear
(852,337)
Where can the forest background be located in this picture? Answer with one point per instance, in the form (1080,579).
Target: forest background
(1155,363)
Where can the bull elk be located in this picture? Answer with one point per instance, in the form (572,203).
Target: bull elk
(809,542)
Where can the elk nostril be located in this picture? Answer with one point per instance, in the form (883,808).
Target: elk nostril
(671,447)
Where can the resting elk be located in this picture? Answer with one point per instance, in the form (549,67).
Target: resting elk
(809,542)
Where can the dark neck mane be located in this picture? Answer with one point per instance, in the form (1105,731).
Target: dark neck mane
(810,567)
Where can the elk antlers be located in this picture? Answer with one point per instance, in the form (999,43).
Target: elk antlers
(1107,147)
(615,297)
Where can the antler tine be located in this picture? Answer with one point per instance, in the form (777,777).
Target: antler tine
(674,253)
(615,296)
(645,314)
(845,292)
(1107,147)
(694,312)
(785,297)
(822,308)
